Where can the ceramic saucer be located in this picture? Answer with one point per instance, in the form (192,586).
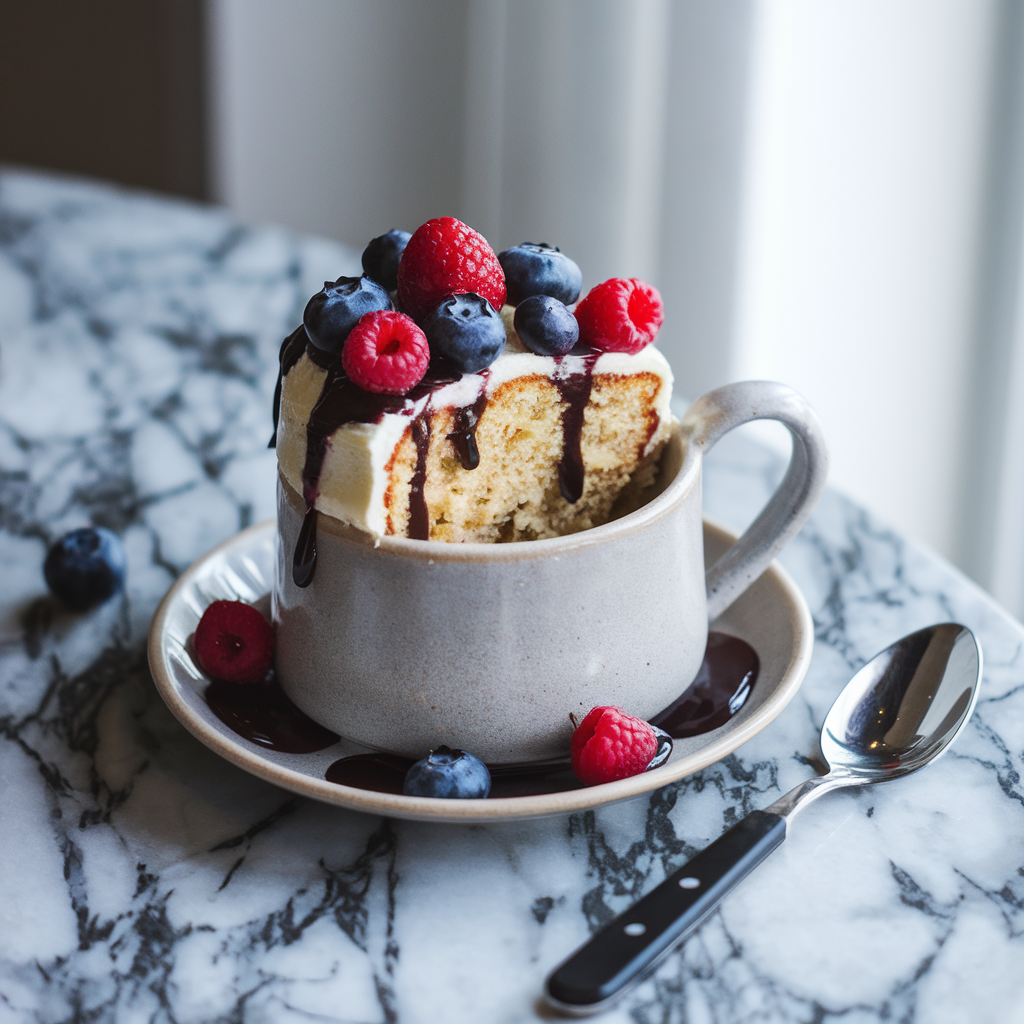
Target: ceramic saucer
(772,616)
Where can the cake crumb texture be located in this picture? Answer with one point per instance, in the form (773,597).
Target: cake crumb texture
(514,494)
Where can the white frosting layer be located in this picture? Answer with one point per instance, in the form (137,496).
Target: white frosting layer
(354,477)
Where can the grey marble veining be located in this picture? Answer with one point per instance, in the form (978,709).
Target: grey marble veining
(144,879)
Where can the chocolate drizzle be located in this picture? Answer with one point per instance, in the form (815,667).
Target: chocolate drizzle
(291,350)
(340,402)
(463,437)
(263,714)
(419,515)
(575,391)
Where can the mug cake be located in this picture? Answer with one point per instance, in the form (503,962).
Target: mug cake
(489,526)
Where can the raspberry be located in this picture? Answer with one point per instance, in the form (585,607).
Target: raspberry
(446,257)
(620,315)
(609,744)
(386,353)
(234,642)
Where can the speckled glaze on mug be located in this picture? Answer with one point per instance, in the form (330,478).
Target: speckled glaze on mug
(405,645)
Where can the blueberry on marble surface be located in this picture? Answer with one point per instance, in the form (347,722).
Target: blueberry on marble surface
(536,268)
(85,567)
(382,255)
(466,332)
(331,314)
(448,774)
(545,326)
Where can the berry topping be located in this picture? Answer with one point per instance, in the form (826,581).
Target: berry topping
(331,314)
(382,255)
(466,332)
(450,774)
(620,315)
(609,744)
(540,269)
(85,567)
(234,642)
(386,353)
(545,326)
(446,257)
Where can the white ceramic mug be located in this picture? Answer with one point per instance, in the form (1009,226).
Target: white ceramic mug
(405,645)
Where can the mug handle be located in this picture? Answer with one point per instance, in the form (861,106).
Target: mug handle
(714,415)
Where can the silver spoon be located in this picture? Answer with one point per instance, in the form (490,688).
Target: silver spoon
(898,713)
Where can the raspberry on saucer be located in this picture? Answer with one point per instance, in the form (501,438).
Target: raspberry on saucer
(609,745)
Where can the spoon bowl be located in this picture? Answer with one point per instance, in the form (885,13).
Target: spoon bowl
(898,713)
(905,706)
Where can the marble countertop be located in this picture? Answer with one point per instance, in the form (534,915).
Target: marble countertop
(144,879)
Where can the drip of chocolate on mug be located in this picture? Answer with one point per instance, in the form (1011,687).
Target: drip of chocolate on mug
(340,402)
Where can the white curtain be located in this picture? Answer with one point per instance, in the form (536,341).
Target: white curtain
(826,191)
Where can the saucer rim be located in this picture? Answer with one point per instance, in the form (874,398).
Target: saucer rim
(248,756)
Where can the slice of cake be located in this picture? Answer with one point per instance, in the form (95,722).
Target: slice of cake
(472,426)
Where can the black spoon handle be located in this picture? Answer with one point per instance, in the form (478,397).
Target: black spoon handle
(626,948)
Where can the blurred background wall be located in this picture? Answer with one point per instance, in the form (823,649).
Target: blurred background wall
(828,192)
(111,88)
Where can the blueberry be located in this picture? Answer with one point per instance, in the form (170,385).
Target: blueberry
(381,256)
(540,269)
(545,326)
(466,332)
(331,314)
(85,567)
(450,774)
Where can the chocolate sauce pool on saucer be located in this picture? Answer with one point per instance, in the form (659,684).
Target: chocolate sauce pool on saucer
(720,689)
(261,713)
(385,773)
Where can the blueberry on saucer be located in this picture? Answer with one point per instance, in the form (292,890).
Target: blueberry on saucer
(448,774)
